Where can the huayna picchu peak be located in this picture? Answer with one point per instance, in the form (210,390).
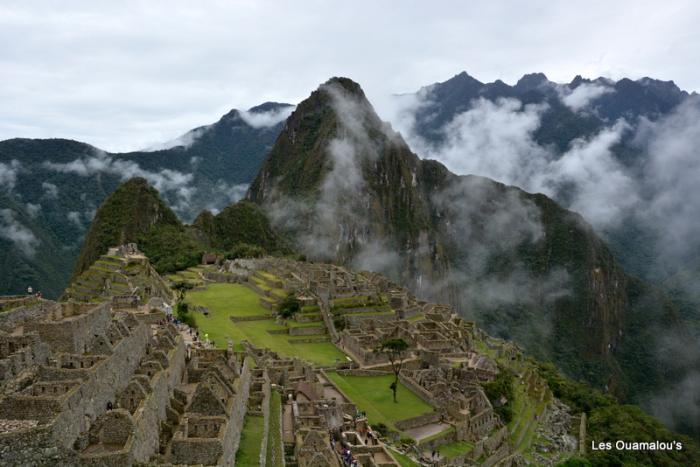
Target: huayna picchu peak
(348,189)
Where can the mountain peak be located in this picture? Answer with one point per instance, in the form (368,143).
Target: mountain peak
(269,106)
(346,84)
(531,81)
(131,210)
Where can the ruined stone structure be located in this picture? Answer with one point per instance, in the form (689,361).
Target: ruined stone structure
(113,382)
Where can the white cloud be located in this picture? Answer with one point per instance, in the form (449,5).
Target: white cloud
(125,75)
(583,95)
(13,230)
(50,190)
(74,217)
(165,181)
(33,209)
(266,119)
(496,140)
(8,174)
(185,140)
(671,178)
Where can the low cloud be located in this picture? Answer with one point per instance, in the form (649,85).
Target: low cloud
(33,209)
(482,226)
(166,181)
(266,119)
(582,95)
(671,173)
(337,226)
(50,190)
(496,139)
(13,230)
(8,174)
(186,140)
(74,218)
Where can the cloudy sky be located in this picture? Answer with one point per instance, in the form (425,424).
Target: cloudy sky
(129,74)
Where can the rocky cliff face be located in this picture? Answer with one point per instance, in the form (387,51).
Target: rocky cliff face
(347,188)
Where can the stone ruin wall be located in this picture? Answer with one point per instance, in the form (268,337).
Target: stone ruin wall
(154,410)
(9,320)
(54,440)
(73,329)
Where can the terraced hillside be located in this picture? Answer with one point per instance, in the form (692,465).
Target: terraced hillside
(113,275)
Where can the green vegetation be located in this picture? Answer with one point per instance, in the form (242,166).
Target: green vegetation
(610,421)
(395,349)
(403,459)
(229,299)
(238,228)
(501,387)
(275,450)
(170,248)
(245,250)
(133,210)
(248,454)
(366,393)
(526,407)
(289,306)
(455,448)
(226,300)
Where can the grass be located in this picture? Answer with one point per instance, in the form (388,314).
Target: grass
(231,299)
(268,275)
(273,290)
(248,453)
(403,459)
(226,300)
(275,452)
(455,449)
(372,395)
(305,324)
(525,408)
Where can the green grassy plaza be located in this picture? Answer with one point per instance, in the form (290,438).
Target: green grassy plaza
(403,459)
(248,453)
(372,395)
(455,449)
(226,300)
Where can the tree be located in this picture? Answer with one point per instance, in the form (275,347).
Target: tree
(181,288)
(395,349)
(289,306)
(181,308)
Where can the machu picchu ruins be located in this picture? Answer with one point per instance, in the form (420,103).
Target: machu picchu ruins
(112,375)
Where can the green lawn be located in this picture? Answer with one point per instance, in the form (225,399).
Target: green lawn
(455,448)
(231,299)
(372,395)
(248,453)
(274,290)
(275,451)
(403,459)
(226,300)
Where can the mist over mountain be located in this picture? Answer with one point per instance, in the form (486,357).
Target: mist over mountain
(61,183)
(348,189)
(606,149)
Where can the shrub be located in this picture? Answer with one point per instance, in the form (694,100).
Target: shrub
(245,250)
(289,306)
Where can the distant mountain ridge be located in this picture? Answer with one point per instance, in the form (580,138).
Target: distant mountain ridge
(627,98)
(65,181)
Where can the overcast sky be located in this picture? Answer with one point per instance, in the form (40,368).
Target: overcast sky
(126,75)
